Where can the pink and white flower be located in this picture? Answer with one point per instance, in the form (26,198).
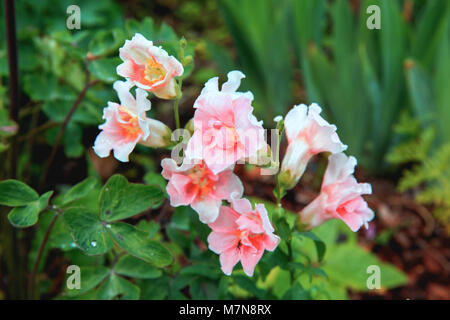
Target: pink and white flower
(340,196)
(226,131)
(149,67)
(127,124)
(307,134)
(242,234)
(196,185)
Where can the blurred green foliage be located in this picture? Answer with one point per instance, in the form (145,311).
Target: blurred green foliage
(361,77)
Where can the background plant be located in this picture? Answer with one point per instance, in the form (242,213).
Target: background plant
(356,74)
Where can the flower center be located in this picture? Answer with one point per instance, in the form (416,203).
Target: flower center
(201,177)
(154,71)
(129,123)
(231,137)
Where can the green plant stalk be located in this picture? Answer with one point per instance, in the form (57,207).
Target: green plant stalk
(176,104)
(179,86)
(279,193)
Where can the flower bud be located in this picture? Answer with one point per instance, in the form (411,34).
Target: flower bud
(159,136)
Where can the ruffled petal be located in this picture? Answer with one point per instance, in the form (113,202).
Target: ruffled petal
(228,260)
(219,242)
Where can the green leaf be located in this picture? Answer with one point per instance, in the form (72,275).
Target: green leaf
(105,69)
(118,287)
(26,216)
(106,41)
(14,193)
(283,229)
(296,292)
(155,289)
(137,243)
(144,27)
(420,92)
(90,277)
(154,178)
(72,140)
(40,86)
(136,268)
(319,243)
(80,190)
(347,266)
(180,218)
(120,199)
(204,270)
(248,285)
(87,231)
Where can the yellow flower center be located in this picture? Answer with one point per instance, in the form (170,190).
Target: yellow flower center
(154,71)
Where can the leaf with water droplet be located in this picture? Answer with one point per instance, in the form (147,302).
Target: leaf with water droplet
(137,243)
(87,231)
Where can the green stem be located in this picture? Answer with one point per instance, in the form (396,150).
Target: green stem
(176,103)
(278,188)
(279,193)
(175,111)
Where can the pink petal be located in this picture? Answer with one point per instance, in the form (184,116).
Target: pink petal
(219,242)
(271,242)
(207,209)
(180,190)
(251,223)
(228,260)
(339,168)
(228,184)
(249,258)
(242,205)
(226,221)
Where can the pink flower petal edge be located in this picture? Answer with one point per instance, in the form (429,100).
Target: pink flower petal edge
(127,124)
(307,134)
(149,67)
(225,129)
(196,185)
(241,233)
(340,196)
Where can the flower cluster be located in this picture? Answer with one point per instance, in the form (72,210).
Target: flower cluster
(151,69)
(225,132)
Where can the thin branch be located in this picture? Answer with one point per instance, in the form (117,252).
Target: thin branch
(32,279)
(12,252)
(64,127)
(37,130)
(11,39)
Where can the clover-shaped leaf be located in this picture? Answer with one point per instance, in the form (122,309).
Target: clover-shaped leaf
(28,215)
(120,199)
(137,243)
(87,231)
